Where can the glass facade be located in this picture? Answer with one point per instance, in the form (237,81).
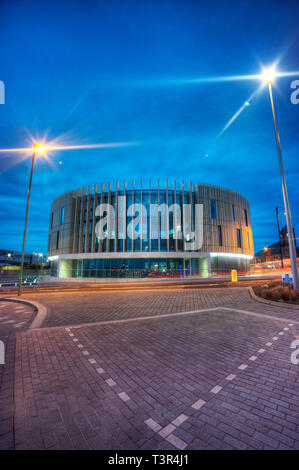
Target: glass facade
(213,206)
(133,267)
(239,240)
(219,235)
(158,215)
(246,217)
(61,215)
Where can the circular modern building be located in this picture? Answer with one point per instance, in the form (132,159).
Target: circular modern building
(138,232)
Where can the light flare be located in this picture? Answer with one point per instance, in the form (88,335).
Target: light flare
(7,160)
(268,74)
(199,80)
(49,147)
(237,113)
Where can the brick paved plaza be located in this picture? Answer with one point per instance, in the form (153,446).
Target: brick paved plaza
(174,369)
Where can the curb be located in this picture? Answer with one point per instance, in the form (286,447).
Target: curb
(272,302)
(41,311)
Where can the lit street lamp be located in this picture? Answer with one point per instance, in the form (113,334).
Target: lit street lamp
(265,252)
(36,148)
(268,76)
(55,146)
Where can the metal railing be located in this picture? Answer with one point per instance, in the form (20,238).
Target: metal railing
(31,277)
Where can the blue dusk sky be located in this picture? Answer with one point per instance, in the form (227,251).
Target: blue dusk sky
(90,72)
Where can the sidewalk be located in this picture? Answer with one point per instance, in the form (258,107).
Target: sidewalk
(217,378)
(13,317)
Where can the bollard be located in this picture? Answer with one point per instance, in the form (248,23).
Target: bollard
(2,353)
(290,292)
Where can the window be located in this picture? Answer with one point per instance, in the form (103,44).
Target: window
(219,235)
(246,217)
(213,206)
(57,240)
(52,215)
(234,214)
(248,238)
(61,219)
(239,238)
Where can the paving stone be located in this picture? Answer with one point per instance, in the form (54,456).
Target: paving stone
(14,316)
(180,419)
(198,404)
(176,441)
(181,374)
(167,430)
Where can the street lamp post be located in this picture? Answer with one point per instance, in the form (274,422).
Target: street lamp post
(279,236)
(268,77)
(265,253)
(36,148)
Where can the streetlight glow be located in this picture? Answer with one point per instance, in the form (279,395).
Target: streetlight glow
(39,148)
(43,149)
(268,74)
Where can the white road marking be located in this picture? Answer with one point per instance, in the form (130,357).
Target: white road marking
(230,377)
(123,396)
(110,382)
(176,314)
(216,389)
(180,419)
(151,317)
(198,404)
(153,424)
(176,441)
(167,430)
(255,314)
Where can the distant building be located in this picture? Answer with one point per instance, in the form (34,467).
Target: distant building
(277,250)
(10,258)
